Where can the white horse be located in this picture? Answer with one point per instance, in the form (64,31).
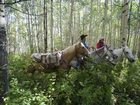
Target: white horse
(96,56)
(104,53)
(122,52)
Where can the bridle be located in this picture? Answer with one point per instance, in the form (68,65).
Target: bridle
(105,53)
(126,53)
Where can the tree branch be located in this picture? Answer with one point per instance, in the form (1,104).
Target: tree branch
(11,3)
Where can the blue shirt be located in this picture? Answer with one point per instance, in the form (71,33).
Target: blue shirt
(85,44)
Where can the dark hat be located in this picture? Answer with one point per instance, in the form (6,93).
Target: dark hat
(83,36)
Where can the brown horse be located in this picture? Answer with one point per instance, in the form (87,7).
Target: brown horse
(63,61)
(72,52)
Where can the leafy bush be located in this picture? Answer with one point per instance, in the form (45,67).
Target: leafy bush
(100,84)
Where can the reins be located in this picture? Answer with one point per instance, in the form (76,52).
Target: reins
(101,56)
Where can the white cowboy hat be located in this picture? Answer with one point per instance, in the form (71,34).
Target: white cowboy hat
(100,38)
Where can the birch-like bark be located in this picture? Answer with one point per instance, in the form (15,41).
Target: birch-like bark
(4,85)
(124,20)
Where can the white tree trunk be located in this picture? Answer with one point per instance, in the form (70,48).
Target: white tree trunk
(124,20)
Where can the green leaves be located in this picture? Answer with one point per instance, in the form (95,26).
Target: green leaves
(100,84)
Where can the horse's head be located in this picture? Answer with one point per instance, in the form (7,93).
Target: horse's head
(108,51)
(124,51)
(81,49)
(128,54)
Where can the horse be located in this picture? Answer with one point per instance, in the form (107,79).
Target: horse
(122,52)
(104,53)
(63,58)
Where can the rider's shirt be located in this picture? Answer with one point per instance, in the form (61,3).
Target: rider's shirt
(85,44)
(99,45)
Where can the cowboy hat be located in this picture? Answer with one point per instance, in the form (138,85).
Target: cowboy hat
(83,36)
(101,38)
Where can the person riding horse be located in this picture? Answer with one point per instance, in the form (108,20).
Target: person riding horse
(100,43)
(83,40)
(78,61)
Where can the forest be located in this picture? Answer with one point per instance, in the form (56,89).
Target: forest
(69,52)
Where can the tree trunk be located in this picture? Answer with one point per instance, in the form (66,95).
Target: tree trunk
(45,27)
(71,22)
(111,26)
(129,20)
(37,34)
(61,25)
(104,18)
(31,25)
(135,42)
(138,29)
(139,48)
(99,16)
(3,56)
(83,21)
(74,27)
(52,46)
(90,24)
(29,29)
(79,23)
(124,20)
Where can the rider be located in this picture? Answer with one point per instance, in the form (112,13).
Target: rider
(100,43)
(80,59)
(83,40)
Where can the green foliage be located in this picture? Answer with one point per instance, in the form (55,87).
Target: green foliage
(100,84)
(25,88)
(127,89)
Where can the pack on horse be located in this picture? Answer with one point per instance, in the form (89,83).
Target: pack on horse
(60,60)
